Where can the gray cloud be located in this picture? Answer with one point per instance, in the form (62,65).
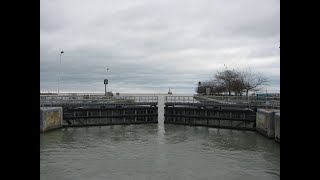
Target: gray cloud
(151,46)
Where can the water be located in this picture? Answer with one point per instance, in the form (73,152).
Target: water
(157,151)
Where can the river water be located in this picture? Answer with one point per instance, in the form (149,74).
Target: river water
(157,151)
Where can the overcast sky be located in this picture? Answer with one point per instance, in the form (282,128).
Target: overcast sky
(153,45)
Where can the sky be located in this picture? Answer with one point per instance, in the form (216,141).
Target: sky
(151,46)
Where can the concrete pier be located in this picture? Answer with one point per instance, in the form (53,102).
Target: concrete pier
(50,118)
(277,127)
(265,122)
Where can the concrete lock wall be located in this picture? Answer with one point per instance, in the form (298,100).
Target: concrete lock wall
(265,122)
(50,118)
(277,127)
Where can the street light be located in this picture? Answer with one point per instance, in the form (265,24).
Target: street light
(105,84)
(59,73)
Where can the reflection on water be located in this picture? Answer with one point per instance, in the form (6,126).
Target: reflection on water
(157,151)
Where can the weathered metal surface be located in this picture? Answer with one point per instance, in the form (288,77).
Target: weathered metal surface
(94,100)
(110,115)
(225,101)
(211,117)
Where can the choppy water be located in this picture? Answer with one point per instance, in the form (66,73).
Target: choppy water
(157,151)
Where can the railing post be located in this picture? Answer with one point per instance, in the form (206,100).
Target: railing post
(111,115)
(124,113)
(184,113)
(146,117)
(245,121)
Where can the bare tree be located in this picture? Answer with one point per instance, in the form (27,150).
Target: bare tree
(226,78)
(251,81)
(233,81)
(218,89)
(237,86)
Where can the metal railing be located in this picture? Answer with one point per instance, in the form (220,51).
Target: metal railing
(96,99)
(241,98)
(265,102)
(180,99)
(153,99)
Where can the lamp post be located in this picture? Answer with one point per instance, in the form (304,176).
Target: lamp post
(59,73)
(105,84)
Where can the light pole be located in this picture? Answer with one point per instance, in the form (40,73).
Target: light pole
(105,85)
(59,73)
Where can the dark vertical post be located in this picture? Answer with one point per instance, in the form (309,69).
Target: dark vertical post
(245,121)
(111,116)
(124,118)
(146,117)
(184,113)
(194,115)
(105,86)
(230,119)
(135,117)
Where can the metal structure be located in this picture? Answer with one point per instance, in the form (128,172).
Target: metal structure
(109,116)
(225,101)
(217,111)
(59,73)
(211,111)
(96,110)
(96,100)
(222,118)
(105,86)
